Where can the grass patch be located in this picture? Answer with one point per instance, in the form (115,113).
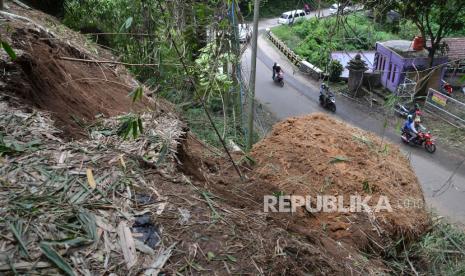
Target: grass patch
(315,39)
(441,251)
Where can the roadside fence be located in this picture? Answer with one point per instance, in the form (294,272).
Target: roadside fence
(304,66)
(449,109)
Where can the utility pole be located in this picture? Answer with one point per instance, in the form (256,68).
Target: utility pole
(319,7)
(253,71)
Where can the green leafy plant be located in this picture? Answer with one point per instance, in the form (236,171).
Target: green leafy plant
(131,126)
(137,94)
(335,69)
(8,49)
(367,187)
(278,194)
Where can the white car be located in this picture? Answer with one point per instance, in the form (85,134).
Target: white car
(245,32)
(291,17)
(335,7)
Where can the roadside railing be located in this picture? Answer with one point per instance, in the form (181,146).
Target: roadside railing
(293,57)
(449,109)
(303,65)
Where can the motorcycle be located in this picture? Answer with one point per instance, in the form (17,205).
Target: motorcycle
(279,78)
(328,101)
(422,139)
(446,89)
(403,110)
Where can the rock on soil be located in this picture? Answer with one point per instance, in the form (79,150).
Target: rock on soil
(318,155)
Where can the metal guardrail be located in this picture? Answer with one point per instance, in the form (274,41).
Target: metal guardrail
(304,66)
(446,107)
(293,57)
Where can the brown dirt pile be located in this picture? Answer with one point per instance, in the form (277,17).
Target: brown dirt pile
(317,155)
(267,243)
(74,92)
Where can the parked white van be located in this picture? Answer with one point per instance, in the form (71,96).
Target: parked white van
(291,17)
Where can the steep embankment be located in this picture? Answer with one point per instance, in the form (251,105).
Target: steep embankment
(48,75)
(103,205)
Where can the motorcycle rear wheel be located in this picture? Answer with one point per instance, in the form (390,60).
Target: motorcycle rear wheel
(431,148)
(281,83)
(332,107)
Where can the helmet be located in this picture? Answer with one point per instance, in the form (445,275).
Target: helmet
(410,118)
(277,65)
(323,85)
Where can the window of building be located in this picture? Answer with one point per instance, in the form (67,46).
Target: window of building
(389,71)
(393,73)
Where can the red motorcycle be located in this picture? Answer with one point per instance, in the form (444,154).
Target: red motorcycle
(422,139)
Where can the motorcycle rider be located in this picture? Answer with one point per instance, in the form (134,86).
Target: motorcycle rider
(415,111)
(410,127)
(276,69)
(307,8)
(324,91)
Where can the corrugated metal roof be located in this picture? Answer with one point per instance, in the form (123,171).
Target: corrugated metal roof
(456,47)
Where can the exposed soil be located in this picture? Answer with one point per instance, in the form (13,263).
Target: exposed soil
(318,155)
(298,158)
(74,92)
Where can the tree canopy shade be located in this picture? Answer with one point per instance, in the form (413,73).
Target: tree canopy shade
(435,19)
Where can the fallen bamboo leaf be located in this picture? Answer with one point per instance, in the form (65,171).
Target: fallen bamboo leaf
(90,226)
(231,258)
(19,239)
(160,261)
(25,266)
(90,178)
(122,161)
(56,258)
(337,159)
(143,248)
(127,244)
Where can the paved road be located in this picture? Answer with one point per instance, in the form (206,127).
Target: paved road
(300,96)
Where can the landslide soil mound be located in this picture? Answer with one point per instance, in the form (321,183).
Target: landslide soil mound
(317,155)
(73,91)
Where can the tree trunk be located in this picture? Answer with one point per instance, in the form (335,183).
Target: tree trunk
(431,54)
(1,4)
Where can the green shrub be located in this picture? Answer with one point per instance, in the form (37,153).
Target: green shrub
(315,39)
(335,69)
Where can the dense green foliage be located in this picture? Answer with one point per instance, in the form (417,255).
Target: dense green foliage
(315,39)
(142,32)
